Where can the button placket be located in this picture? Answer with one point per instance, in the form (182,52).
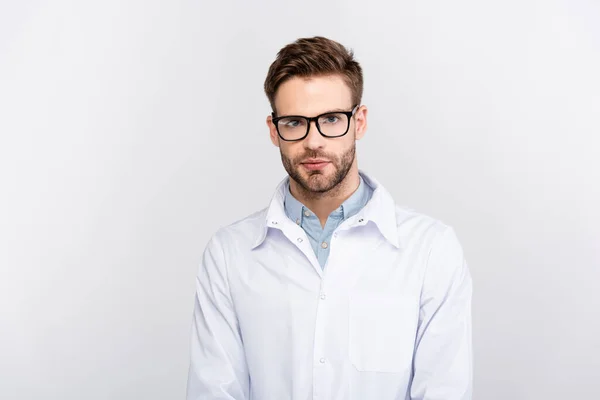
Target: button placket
(321,322)
(323,369)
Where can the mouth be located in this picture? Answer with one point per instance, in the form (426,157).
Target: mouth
(315,164)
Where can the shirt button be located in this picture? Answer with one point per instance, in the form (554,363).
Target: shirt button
(298,221)
(324,245)
(306,214)
(335,235)
(322,361)
(323,296)
(299,240)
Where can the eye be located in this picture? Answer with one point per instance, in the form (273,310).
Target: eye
(292,123)
(331,119)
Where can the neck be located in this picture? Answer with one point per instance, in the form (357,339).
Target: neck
(322,204)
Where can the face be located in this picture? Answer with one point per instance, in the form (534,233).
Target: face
(316,163)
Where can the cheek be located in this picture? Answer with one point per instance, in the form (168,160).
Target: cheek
(289,151)
(344,147)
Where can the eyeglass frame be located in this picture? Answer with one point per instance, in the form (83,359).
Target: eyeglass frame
(349,114)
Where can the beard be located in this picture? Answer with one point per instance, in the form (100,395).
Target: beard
(321,181)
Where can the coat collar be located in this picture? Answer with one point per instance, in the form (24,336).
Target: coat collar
(381,210)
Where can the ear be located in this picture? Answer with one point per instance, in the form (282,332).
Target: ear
(272,131)
(360,119)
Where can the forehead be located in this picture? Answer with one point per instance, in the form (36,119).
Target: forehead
(313,95)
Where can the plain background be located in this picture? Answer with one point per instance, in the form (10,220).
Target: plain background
(131,131)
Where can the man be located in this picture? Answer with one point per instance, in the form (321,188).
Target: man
(331,292)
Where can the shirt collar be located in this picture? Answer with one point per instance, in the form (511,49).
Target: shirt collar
(295,210)
(381,210)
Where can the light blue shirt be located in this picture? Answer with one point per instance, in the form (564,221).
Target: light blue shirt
(320,236)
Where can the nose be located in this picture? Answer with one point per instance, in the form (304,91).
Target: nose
(314,139)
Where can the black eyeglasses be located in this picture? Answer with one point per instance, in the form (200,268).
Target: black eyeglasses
(334,124)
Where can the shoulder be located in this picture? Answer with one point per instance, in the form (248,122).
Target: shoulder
(241,233)
(423,231)
(413,227)
(412,222)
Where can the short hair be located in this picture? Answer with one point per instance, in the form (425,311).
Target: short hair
(316,56)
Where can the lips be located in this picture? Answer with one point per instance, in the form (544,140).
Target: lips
(315,164)
(315,161)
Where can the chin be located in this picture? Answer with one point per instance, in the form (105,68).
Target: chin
(319,182)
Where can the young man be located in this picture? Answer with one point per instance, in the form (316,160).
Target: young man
(332,292)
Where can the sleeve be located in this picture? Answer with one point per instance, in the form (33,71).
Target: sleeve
(217,367)
(442,364)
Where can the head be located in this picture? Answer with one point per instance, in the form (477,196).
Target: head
(310,77)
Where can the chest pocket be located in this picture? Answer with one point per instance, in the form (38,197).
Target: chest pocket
(382,331)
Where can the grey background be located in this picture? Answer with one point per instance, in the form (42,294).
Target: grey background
(130,131)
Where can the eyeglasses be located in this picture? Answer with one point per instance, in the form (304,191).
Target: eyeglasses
(334,124)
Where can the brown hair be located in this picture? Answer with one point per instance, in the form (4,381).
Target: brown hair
(316,56)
